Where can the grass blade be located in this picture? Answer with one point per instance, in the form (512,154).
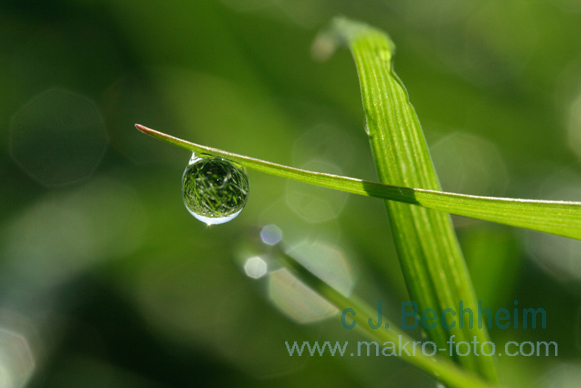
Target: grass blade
(556,217)
(436,366)
(432,262)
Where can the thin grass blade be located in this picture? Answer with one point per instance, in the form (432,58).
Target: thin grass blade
(562,218)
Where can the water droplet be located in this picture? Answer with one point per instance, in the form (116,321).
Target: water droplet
(214,189)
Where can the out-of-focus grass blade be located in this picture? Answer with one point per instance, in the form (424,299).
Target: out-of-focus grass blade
(557,217)
(437,366)
(430,256)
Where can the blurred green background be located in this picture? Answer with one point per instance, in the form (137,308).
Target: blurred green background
(107,281)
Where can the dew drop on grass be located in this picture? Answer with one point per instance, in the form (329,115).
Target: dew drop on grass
(214,189)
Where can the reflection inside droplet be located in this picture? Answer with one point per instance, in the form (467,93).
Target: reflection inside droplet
(214,190)
(271,234)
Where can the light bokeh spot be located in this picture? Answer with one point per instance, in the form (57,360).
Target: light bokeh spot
(469,164)
(296,300)
(325,143)
(16,360)
(327,149)
(316,204)
(558,256)
(294,227)
(271,234)
(255,267)
(58,137)
(327,262)
(66,232)
(562,376)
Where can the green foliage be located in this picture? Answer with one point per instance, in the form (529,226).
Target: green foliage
(432,261)
(107,260)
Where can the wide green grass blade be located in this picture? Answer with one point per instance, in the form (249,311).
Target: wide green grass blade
(557,217)
(430,256)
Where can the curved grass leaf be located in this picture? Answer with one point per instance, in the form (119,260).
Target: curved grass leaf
(430,256)
(556,217)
